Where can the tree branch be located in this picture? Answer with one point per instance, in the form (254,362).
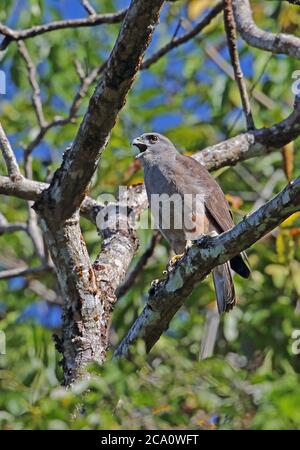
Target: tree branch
(227,153)
(276,43)
(12,227)
(221,62)
(86,82)
(174,43)
(252,143)
(123,288)
(36,97)
(88,7)
(92,20)
(23,271)
(168,295)
(9,157)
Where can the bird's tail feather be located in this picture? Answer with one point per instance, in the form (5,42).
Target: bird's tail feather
(224,287)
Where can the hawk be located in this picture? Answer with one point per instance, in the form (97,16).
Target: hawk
(187,202)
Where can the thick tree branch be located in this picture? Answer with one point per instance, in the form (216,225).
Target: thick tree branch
(176,42)
(276,43)
(92,20)
(70,182)
(9,157)
(118,247)
(168,295)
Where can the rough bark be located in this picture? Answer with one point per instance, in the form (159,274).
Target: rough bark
(276,43)
(87,298)
(71,181)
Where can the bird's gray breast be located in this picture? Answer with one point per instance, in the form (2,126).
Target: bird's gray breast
(174,210)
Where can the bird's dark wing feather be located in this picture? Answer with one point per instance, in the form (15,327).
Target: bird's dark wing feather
(196,179)
(216,204)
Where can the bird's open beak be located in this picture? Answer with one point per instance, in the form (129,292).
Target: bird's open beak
(140,145)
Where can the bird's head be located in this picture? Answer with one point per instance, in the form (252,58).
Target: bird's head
(153,145)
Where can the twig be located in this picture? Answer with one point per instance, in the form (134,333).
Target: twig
(90,21)
(86,82)
(184,38)
(230,28)
(276,43)
(36,96)
(35,233)
(88,7)
(221,62)
(9,157)
(209,334)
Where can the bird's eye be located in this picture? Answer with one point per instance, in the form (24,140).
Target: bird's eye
(152,138)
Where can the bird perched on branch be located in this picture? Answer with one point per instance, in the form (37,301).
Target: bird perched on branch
(187,202)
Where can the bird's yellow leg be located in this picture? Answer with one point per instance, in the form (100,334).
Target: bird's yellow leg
(176,258)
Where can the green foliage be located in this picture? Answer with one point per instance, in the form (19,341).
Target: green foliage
(253,379)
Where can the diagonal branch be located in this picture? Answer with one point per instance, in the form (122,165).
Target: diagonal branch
(168,295)
(9,157)
(276,43)
(90,21)
(6,227)
(36,96)
(174,43)
(86,82)
(221,62)
(71,181)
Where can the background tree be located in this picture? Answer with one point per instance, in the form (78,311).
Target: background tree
(60,111)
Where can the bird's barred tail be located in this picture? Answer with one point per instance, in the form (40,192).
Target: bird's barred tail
(224,287)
